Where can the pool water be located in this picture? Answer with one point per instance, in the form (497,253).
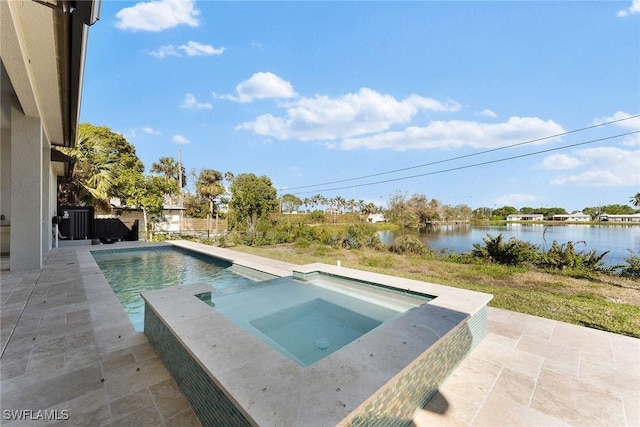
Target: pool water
(309,320)
(132,271)
(314,329)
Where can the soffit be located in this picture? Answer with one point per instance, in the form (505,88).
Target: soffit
(9,98)
(29,56)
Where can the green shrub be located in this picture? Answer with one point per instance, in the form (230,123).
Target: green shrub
(205,240)
(408,244)
(565,257)
(237,238)
(632,266)
(361,235)
(316,216)
(511,252)
(303,243)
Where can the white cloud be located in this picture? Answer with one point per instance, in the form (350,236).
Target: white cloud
(191,102)
(325,118)
(634,8)
(198,49)
(190,49)
(515,199)
(561,162)
(487,113)
(604,167)
(456,133)
(179,139)
(261,86)
(164,51)
(158,15)
(629,125)
(151,131)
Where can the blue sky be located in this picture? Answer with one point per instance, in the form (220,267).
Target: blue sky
(409,95)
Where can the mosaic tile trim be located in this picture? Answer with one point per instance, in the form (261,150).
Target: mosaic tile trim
(208,401)
(398,401)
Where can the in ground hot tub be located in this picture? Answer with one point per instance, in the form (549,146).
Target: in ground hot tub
(233,376)
(309,319)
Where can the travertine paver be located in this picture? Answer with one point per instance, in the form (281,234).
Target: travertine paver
(78,352)
(71,348)
(532,372)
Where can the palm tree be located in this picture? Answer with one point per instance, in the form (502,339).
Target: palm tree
(635,200)
(169,167)
(94,173)
(209,186)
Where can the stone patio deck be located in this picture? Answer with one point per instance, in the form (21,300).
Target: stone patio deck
(68,345)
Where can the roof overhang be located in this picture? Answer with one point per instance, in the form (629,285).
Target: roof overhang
(43,52)
(62,164)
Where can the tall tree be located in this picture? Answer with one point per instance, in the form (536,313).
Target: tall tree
(252,198)
(397,211)
(290,203)
(195,206)
(635,200)
(423,211)
(170,168)
(503,212)
(104,163)
(209,187)
(147,192)
(483,213)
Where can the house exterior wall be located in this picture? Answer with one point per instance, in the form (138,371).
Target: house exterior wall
(42,47)
(5,175)
(5,190)
(572,217)
(525,217)
(619,218)
(26,192)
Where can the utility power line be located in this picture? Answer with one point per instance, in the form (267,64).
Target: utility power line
(450,159)
(504,159)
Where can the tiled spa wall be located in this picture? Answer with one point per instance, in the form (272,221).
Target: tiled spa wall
(396,403)
(208,401)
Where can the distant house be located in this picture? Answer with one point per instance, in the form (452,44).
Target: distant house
(172,212)
(378,217)
(572,217)
(619,218)
(525,217)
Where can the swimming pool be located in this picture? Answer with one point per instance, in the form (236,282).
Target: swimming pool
(309,320)
(232,377)
(132,271)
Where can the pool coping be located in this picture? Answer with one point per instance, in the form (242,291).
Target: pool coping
(271,389)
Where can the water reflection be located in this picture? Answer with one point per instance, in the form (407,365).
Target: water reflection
(460,237)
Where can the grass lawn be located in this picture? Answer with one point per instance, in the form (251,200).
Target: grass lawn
(600,301)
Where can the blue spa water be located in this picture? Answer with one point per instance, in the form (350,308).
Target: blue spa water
(309,320)
(132,271)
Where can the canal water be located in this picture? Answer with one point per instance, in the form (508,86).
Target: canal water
(616,239)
